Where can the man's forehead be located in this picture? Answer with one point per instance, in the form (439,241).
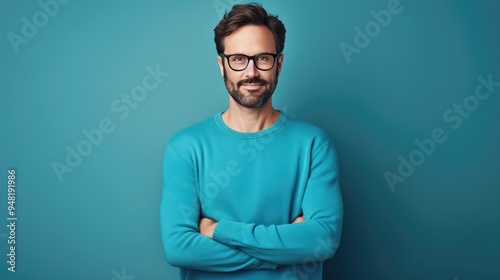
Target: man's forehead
(250,39)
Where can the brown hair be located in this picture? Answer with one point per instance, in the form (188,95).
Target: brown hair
(246,14)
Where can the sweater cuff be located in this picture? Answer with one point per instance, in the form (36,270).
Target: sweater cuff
(268,265)
(224,232)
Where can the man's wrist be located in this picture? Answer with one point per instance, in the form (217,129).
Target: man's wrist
(212,229)
(207,227)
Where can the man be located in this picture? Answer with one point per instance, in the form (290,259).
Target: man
(250,193)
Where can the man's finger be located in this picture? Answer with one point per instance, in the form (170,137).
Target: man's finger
(299,219)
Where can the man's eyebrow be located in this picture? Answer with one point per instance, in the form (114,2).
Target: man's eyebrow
(250,55)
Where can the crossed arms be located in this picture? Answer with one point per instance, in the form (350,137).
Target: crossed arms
(195,242)
(207,226)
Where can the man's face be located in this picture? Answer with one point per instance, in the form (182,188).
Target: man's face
(251,87)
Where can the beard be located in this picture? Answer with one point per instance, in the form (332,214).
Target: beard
(256,98)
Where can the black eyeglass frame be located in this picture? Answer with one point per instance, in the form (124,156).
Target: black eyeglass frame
(228,56)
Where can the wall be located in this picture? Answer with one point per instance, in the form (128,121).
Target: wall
(91,91)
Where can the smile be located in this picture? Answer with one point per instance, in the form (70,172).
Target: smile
(252,86)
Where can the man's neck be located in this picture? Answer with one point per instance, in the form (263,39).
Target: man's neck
(244,119)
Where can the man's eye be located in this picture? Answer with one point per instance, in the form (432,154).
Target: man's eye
(263,58)
(238,58)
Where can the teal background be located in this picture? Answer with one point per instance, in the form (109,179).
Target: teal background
(101,221)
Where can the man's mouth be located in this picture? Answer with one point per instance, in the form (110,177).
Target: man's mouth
(252,86)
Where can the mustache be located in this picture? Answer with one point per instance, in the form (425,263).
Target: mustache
(255,80)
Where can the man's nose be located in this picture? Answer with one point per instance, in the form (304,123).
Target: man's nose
(251,70)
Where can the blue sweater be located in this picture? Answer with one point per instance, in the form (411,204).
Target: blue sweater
(254,185)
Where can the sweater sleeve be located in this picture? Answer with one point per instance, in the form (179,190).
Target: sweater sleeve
(316,239)
(180,210)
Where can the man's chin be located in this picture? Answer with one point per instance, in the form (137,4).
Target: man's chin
(254,102)
(250,98)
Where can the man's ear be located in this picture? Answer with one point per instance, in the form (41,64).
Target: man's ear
(279,62)
(221,65)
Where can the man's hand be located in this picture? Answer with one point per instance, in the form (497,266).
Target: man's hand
(207,227)
(299,219)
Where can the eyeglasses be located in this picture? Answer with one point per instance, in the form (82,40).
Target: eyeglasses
(239,62)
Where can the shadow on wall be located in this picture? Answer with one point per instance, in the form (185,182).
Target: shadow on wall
(358,132)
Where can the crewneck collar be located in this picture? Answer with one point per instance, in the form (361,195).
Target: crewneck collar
(248,135)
